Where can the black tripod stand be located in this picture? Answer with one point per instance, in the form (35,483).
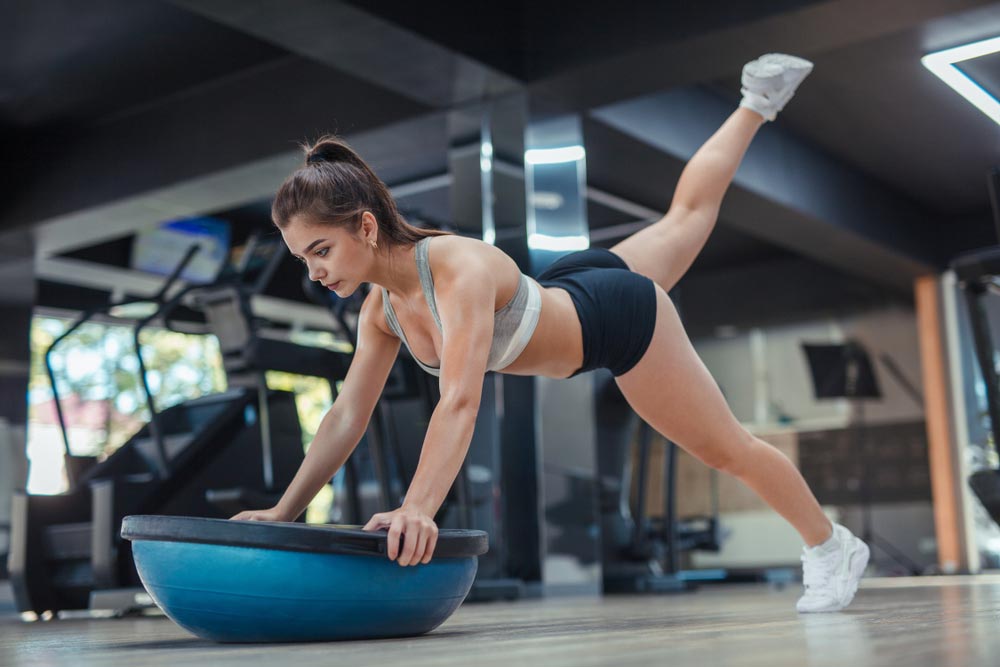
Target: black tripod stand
(845,371)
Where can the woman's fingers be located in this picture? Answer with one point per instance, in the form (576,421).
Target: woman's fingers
(426,534)
(414,545)
(410,540)
(392,539)
(374,523)
(432,539)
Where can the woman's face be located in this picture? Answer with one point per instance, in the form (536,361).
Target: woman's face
(334,257)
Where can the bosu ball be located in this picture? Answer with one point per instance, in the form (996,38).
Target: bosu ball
(261,581)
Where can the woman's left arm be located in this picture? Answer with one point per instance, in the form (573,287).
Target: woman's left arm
(465,293)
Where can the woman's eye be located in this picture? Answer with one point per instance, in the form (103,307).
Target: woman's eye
(322,252)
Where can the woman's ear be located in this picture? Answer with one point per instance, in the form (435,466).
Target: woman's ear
(369,228)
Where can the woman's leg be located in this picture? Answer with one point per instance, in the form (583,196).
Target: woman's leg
(671,389)
(664,251)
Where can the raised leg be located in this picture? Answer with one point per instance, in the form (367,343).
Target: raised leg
(671,389)
(665,250)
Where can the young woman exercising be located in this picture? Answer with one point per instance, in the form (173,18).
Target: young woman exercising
(463,307)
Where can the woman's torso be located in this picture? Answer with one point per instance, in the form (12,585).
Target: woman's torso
(555,349)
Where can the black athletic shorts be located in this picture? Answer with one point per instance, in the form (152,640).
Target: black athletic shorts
(617,307)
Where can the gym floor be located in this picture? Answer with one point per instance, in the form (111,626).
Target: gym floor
(901,621)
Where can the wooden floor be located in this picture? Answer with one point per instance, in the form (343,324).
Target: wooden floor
(909,622)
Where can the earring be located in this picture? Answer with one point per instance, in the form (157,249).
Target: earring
(374,244)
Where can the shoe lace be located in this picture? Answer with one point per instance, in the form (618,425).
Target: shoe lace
(817,570)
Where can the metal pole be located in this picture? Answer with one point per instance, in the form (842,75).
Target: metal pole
(160,450)
(70,474)
(639,519)
(264,417)
(670,507)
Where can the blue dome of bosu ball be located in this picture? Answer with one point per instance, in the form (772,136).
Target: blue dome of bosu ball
(260,581)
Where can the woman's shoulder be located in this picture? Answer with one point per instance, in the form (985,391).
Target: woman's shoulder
(455,260)
(455,243)
(454,252)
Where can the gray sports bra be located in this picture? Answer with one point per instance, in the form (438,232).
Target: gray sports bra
(513,324)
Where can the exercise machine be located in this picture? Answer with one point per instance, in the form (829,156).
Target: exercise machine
(207,457)
(13,477)
(977,274)
(642,554)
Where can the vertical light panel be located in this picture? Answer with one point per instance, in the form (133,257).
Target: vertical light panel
(486,176)
(555,169)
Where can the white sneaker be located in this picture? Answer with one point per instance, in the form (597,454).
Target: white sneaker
(770,81)
(831,577)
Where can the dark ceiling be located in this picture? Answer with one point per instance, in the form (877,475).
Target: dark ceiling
(73,65)
(105,106)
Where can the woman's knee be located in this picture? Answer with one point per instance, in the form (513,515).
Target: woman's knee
(731,454)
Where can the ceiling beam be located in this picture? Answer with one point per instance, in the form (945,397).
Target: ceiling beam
(720,54)
(344,37)
(397,150)
(238,121)
(792,195)
(775,292)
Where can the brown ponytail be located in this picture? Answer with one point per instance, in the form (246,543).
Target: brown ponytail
(334,187)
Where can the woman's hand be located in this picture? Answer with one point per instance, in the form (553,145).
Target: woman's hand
(259,515)
(420,530)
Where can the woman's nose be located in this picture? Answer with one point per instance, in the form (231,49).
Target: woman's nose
(314,272)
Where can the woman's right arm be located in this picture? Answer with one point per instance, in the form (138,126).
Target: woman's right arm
(345,423)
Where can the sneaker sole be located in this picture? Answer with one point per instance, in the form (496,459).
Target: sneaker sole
(859,561)
(763,70)
(856,567)
(786,61)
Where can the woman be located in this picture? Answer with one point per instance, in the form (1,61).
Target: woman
(463,307)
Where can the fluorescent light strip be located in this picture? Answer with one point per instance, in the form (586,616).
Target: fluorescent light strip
(942,64)
(557,243)
(554,155)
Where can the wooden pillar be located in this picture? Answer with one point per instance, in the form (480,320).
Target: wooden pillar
(944,467)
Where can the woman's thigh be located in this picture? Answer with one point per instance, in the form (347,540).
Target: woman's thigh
(665,250)
(672,390)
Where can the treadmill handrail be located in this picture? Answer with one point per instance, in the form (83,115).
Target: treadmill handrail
(86,317)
